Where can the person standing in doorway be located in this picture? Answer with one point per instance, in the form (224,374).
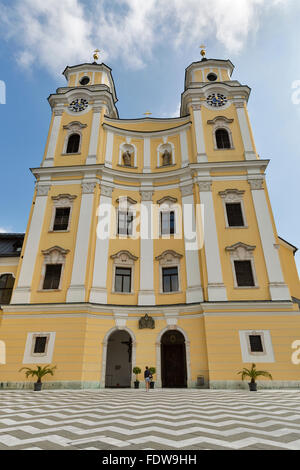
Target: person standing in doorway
(147,376)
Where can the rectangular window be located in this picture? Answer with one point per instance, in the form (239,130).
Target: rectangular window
(167,221)
(235,215)
(256,343)
(125,222)
(40,344)
(123,280)
(61,221)
(170,279)
(244,274)
(52,276)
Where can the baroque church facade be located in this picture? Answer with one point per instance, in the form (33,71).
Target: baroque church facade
(150,242)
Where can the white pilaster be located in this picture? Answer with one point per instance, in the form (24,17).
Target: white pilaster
(49,160)
(198,125)
(194,289)
(92,156)
(245,131)
(184,149)
(278,288)
(22,291)
(76,291)
(146,292)
(109,149)
(216,287)
(98,292)
(147,160)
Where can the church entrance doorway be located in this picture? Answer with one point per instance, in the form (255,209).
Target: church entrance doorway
(173,360)
(118,360)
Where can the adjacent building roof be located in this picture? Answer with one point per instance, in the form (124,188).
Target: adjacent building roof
(11,244)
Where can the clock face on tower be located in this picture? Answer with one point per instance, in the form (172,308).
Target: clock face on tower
(78,105)
(216,100)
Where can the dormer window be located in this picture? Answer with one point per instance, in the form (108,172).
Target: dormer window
(73,139)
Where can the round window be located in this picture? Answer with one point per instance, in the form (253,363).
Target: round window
(84,81)
(212,77)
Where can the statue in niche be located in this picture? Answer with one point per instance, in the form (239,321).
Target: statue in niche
(127,158)
(146,322)
(166,158)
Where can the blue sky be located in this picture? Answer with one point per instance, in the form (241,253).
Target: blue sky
(148,45)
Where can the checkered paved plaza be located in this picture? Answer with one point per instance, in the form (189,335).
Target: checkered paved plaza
(160,419)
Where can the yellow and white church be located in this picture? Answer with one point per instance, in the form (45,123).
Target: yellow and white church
(150,242)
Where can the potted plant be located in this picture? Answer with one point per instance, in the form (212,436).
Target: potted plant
(253,373)
(136,370)
(39,372)
(152,372)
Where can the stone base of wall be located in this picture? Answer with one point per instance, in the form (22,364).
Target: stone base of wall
(261,385)
(68,385)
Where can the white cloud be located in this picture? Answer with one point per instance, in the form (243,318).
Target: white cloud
(4,230)
(51,34)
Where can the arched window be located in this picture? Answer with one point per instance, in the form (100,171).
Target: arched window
(73,143)
(222,139)
(6,286)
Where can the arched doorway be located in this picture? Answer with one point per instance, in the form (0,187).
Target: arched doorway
(173,360)
(118,360)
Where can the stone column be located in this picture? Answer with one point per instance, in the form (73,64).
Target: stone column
(216,287)
(98,292)
(94,138)
(194,289)
(245,131)
(198,125)
(49,160)
(278,288)
(146,293)
(147,156)
(21,294)
(76,291)
(109,148)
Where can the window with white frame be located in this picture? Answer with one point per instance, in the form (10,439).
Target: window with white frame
(256,346)
(169,266)
(125,216)
(242,261)
(73,138)
(39,347)
(222,135)
(61,212)
(53,268)
(234,210)
(7,281)
(167,215)
(123,272)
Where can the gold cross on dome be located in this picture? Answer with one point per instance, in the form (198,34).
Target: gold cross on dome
(203,50)
(96,54)
(147,113)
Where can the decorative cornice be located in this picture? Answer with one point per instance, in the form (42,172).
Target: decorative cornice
(240,245)
(173,200)
(196,107)
(58,112)
(61,250)
(143,134)
(63,196)
(126,253)
(74,125)
(231,192)
(220,118)
(239,104)
(126,199)
(172,253)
